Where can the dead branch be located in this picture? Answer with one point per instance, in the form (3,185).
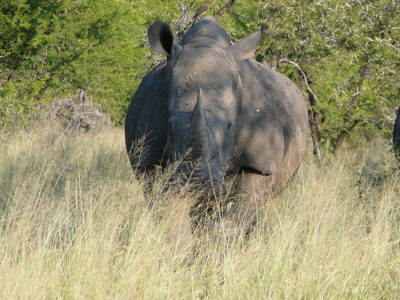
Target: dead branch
(284,60)
(345,132)
(313,115)
(202,9)
(224,9)
(185,21)
(314,123)
(353,104)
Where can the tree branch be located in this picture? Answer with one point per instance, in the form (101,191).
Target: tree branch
(183,23)
(224,9)
(313,116)
(346,119)
(284,60)
(202,9)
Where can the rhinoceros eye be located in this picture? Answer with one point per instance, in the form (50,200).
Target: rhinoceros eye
(229,125)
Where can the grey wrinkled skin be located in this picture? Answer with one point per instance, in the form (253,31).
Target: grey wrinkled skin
(396,135)
(226,112)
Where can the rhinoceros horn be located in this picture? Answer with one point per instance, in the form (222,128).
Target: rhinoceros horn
(201,137)
(210,168)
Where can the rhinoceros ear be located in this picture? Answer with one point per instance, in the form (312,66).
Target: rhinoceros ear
(246,48)
(161,39)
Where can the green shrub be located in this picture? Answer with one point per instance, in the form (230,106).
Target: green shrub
(348,53)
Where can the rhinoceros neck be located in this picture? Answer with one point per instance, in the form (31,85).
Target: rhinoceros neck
(207,29)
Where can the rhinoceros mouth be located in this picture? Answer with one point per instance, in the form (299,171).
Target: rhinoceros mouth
(200,176)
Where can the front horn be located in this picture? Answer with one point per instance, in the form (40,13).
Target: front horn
(199,126)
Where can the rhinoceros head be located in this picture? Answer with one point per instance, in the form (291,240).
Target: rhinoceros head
(205,96)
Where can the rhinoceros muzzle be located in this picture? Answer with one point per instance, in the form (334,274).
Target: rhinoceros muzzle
(200,166)
(200,176)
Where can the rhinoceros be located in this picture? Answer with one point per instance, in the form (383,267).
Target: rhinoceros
(228,114)
(396,135)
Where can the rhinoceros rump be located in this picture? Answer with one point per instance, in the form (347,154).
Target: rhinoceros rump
(396,135)
(226,112)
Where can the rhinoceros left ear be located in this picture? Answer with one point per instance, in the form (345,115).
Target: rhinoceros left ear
(246,48)
(161,39)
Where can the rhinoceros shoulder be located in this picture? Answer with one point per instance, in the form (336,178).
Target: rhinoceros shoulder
(273,119)
(146,119)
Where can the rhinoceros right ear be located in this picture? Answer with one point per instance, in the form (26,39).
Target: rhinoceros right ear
(161,39)
(246,48)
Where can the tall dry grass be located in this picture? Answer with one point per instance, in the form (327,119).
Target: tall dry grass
(75,224)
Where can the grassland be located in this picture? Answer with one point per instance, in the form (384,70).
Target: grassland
(75,224)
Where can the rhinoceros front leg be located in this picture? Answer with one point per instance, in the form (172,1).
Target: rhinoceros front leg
(253,191)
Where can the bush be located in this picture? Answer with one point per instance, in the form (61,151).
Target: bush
(55,48)
(347,53)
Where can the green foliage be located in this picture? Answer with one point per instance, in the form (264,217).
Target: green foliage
(55,48)
(348,50)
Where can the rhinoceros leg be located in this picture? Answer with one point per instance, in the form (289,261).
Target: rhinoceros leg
(254,189)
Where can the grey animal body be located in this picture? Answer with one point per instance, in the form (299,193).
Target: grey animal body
(396,134)
(226,112)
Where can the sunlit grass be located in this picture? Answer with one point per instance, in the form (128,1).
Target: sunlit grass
(75,223)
